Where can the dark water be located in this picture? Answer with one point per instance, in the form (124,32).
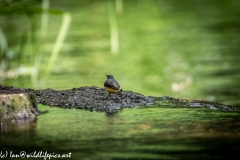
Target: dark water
(138,133)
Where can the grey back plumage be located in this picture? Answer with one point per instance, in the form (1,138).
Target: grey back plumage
(111,83)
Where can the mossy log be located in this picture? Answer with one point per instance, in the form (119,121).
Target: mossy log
(97,99)
(17,105)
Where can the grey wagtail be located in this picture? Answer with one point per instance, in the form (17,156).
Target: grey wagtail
(111,85)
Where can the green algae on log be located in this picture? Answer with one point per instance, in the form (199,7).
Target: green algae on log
(170,102)
(96,99)
(17,105)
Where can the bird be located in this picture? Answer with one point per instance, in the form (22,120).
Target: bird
(111,85)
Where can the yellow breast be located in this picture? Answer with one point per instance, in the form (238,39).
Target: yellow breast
(110,90)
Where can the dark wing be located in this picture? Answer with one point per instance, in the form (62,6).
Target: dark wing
(110,83)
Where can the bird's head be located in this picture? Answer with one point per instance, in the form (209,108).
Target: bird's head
(110,76)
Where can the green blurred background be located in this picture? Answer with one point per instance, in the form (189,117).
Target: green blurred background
(183,49)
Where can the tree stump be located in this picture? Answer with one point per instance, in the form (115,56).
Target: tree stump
(17,105)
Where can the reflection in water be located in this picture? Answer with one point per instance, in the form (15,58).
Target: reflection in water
(142,132)
(18,126)
(16,135)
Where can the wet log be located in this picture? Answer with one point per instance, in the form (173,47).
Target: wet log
(15,105)
(95,98)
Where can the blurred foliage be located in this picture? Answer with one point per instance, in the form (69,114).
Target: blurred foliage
(185,49)
(18,27)
(23,25)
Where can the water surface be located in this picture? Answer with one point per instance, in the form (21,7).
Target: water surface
(141,132)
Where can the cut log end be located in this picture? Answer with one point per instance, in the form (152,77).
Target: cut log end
(16,106)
